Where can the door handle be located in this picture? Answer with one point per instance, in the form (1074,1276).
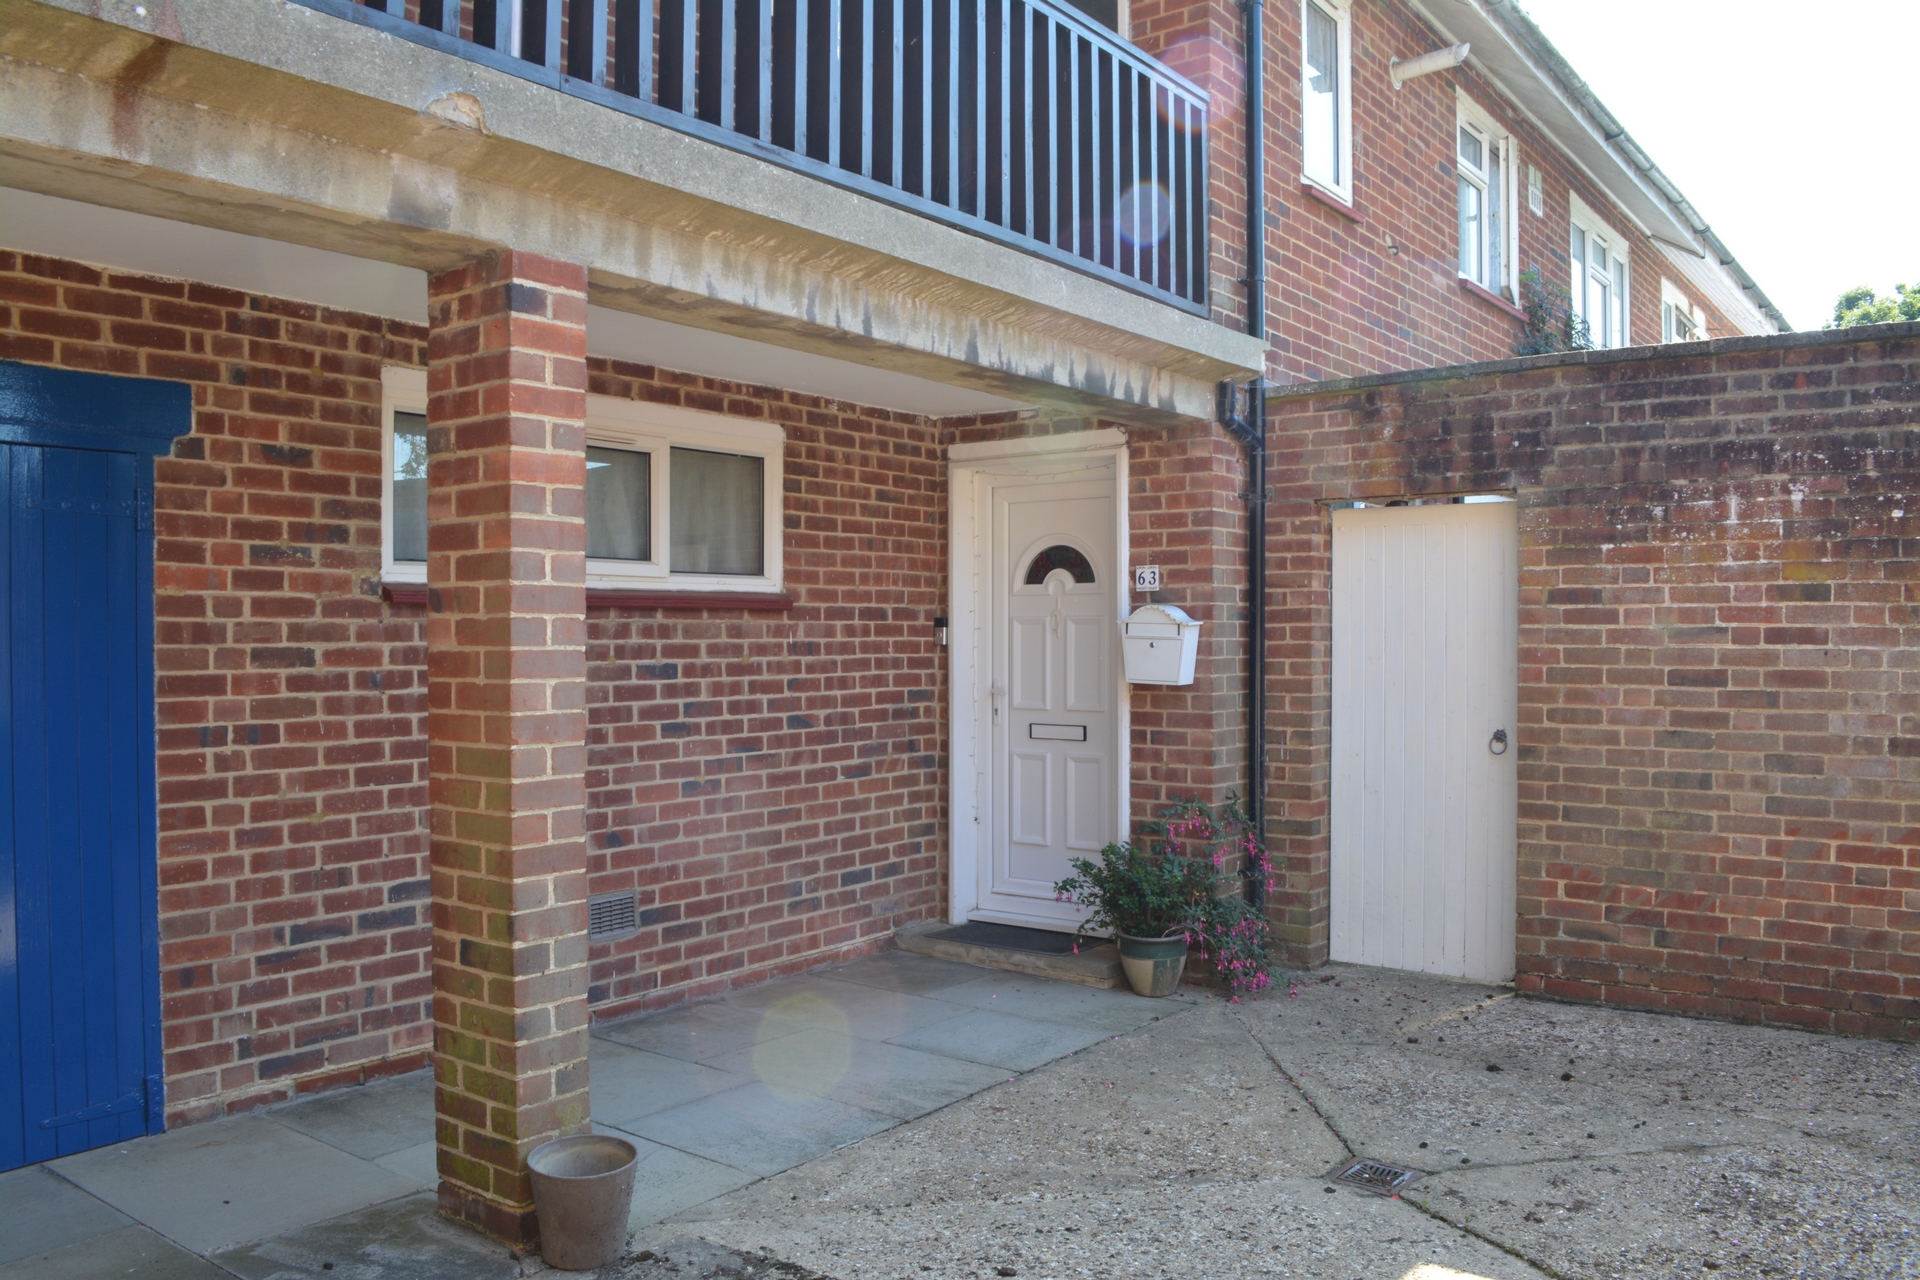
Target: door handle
(996,691)
(1498,742)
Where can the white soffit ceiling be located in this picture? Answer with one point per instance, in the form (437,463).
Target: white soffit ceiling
(33,223)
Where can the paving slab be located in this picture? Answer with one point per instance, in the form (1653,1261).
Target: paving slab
(887,1078)
(668,1181)
(131,1251)
(419,1164)
(40,1211)
(695,1033)
(905,972)
(1000,1039)
(1047,1001)
(368,1121)
(625,1084)
(212,1186)
(845,1008)
(399,1240)
(758,1131)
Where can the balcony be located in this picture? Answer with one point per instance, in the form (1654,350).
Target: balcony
(1018,120)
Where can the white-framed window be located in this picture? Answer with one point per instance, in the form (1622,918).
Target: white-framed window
(1536,191)
(1485,170)
(1599,285)
(1326,97)
(1680,319)
(677,500)
(403,475)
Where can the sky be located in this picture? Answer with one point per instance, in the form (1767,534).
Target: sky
(1790,127)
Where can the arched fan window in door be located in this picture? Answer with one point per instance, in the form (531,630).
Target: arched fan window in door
(1059,556)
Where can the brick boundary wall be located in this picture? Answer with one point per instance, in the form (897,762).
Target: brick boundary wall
(1719,737)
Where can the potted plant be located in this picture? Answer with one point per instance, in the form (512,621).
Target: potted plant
(1162,895)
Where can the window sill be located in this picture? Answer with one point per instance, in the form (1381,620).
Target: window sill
(415,593)
(1487,295)
(688,601)
(1332,201)
(404,592)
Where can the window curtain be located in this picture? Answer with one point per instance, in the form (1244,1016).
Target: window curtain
(718,514)
(619,504)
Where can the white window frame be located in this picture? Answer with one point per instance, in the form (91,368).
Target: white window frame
(1675,303)
(403,391)
(1502,167)
(1342,14)
(658,429)
(1620,259)
(640,426)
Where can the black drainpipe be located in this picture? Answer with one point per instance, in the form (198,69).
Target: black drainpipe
(1251,431)
(1256,172)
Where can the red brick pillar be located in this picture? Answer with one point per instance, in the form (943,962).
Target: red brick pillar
(506,663)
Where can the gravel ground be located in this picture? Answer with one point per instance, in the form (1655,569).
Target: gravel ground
(1557,1140)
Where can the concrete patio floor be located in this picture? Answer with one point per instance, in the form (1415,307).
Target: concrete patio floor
(1556,1141)
(907,1118)
(716,1096)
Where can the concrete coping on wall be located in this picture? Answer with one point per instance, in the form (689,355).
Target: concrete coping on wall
(1902,331)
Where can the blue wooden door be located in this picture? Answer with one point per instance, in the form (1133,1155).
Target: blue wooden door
(79,990)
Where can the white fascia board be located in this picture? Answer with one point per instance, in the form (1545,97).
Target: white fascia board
(1532,89)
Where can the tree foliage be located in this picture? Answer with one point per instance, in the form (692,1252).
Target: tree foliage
(1864,306)
(1551,323)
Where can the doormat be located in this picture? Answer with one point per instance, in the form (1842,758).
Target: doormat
(1009,937)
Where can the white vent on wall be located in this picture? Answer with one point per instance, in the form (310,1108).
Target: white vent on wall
(611,915)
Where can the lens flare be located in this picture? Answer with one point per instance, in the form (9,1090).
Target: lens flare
(1144,214)
(803,1048)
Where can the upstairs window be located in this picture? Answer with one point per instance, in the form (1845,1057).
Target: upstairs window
(675,500)
(1484,175)
(1599,285)
(1680,319)
(1326,114)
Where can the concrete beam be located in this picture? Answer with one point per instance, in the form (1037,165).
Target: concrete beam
(284,122)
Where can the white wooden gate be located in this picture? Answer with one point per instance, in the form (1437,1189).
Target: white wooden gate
(1425,654)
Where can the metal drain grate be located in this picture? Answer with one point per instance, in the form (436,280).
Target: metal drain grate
(1372,1175)
(611,915)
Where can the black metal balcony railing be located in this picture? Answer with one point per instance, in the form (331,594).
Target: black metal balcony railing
(1019,120)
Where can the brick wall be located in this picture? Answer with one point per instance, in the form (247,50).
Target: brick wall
(291,764)
(1374,288)
(773,783)
(1719,738)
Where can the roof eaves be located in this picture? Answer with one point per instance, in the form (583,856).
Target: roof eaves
(1527,33)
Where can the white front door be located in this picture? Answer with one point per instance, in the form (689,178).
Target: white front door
(1425,685)
(1048,699)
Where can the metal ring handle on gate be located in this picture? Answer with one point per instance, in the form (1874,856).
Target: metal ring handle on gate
(1498,742)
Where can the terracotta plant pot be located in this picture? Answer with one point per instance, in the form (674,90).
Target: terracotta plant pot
(1153,965)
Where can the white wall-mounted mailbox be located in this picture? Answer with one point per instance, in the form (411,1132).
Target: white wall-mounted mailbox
(1159,644)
